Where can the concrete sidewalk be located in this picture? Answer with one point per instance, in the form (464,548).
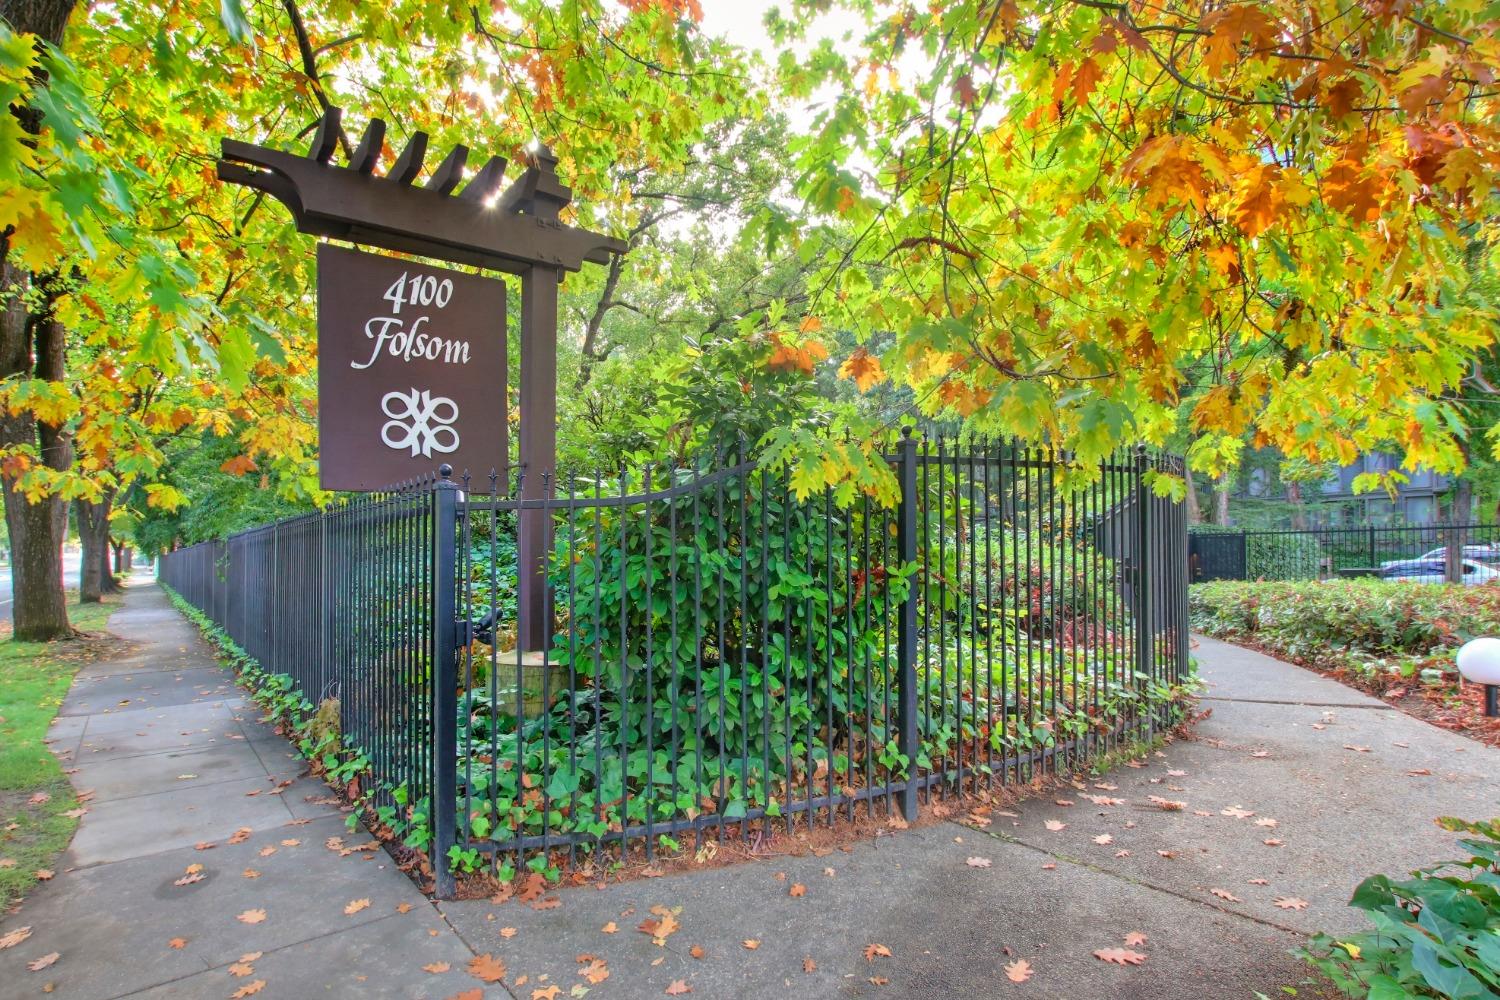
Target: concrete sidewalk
(176,759)
(1274,749)
(200,814)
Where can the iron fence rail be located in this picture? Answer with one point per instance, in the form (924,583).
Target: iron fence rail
(728,655)
(1217,553)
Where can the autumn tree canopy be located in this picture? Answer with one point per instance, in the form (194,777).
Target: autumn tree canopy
(1204,225)
(1077,216)
(173,305)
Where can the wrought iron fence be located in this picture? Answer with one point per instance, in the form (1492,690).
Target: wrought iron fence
(344,605)
(731,656)
(1216,553)
(728,657)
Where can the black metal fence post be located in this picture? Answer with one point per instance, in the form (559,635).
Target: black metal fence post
(1142,576)
(906,635)
(445,495)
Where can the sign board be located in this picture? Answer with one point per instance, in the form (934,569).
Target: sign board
(411,370)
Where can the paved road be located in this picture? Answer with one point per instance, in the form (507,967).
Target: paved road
(7,599)
(178,763)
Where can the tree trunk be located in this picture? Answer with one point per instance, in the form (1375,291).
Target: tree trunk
(1458,514)
(40,609)
(44,18)
(591,354)
(94,576)
(1194,512)
(1221,500)
(1299,513)
(32,345)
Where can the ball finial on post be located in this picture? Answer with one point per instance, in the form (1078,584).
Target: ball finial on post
(1479,663)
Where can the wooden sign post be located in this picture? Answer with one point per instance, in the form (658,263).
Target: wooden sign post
(514,232)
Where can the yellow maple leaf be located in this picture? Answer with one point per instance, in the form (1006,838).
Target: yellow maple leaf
(37,239)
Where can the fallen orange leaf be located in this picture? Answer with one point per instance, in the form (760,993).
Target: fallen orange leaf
(251,916)
(1120,956)
(44,961)
(355,906)
(249,989)
(436,968)
(1018,971)
(487,968)
(876,949)
(678,988)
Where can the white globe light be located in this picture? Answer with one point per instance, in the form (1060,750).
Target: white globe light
(1479,660)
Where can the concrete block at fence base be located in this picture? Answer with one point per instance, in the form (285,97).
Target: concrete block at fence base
(541,681)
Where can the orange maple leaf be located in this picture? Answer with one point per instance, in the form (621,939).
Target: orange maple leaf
(487,968)
(1085,78)
(238,465)
(1260,199)
(863,368)
(1230,27)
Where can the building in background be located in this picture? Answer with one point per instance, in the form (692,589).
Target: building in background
(1264,500)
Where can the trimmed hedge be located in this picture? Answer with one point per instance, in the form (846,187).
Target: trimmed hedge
(1374,626)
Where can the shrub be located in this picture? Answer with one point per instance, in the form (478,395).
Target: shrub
(732,650)
(1282,557)
(1380,629)
(1436,934)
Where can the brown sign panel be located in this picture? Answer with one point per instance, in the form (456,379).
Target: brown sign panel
(411,370)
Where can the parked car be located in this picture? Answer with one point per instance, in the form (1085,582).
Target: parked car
(1431,571)
(1489,555)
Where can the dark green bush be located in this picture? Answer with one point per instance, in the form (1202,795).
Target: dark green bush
(1436,934)
(733,651)
(1374,617)
(1282,557)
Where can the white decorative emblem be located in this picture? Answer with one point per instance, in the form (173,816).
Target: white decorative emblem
(419,421)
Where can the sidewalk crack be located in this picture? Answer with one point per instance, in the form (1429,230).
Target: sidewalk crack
(1142,883)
